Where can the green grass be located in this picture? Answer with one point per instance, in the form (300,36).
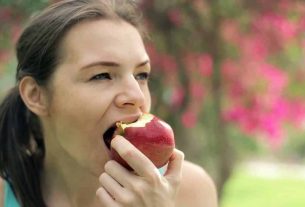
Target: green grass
(246,190)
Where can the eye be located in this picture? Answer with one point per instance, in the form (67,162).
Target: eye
(142,76)
(101,76)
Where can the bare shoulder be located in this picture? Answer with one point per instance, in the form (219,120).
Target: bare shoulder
(197,189)
(1,192)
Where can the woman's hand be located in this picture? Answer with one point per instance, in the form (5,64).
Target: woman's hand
(145,187)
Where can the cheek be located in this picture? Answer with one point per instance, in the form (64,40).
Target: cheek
(77,110)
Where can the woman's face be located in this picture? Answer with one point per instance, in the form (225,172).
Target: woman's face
(102,79)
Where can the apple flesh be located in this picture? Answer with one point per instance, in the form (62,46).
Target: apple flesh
(152,136)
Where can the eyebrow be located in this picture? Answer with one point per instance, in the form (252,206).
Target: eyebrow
(112,64)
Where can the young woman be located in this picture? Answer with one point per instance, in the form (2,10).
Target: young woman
(82,66)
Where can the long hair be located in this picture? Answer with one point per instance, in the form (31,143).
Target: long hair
(22,147)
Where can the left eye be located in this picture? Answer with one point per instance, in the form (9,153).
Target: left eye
(142,76)
(101,76)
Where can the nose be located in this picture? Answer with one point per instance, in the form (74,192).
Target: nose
(131,94)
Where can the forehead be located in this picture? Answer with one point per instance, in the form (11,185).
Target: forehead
(107,39)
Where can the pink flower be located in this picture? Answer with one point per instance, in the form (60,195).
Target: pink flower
(197,91)
(177,97)
(276,78)
(297,113)
(254,46)
(175,17)
(168,63)
(189,119)
(205,64)
(5,14)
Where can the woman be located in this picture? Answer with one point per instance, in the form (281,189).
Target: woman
(82,66)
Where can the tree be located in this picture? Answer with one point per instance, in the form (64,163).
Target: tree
(226,64)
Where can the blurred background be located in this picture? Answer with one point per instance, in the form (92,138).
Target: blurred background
(229,76)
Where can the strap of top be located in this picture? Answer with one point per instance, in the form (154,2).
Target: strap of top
(9,197)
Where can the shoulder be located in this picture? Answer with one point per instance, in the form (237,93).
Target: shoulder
(1,192)
(197,189)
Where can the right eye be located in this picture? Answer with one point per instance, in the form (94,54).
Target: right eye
(101,76)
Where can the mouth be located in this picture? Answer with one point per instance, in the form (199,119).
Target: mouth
(113,130)
(109,134)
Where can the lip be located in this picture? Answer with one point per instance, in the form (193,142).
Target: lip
(125,119)
(129,119)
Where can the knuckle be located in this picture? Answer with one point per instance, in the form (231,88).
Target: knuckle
(109,165)
(102,177)
(139,187)
(99,191)
(179,153)
(154,177)
(127,199)
(128,153)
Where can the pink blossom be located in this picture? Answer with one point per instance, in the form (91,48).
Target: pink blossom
(275,25)
(16,31)
(276,78)
(254,47)
(175,17)
(197,91)
(177,97)
(168,63)
(189,119)
(297,113)
(205,64)
(231,31)
(5,14)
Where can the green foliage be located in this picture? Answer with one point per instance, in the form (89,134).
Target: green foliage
(26,6)
(246,190)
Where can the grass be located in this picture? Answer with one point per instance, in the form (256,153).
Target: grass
(245,189)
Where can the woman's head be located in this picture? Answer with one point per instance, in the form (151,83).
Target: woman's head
(38,48)
(75,63)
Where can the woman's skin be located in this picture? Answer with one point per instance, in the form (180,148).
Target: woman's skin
(102,78)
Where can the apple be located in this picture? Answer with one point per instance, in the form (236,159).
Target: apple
(152,136)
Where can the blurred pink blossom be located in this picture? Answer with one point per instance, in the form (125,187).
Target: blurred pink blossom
(168,63)
(177,97)
(276,78)
(5,14)
(189,119)
(254,47)
(276,25)
(15,31)
(297,113)
(175,16)
(197,91)
(231,31)
(205,64)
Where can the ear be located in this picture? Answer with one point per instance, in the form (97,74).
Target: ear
(34,96)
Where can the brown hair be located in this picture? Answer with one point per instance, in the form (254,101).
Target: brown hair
(38,54)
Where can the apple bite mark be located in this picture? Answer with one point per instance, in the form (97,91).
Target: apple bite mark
(152,136)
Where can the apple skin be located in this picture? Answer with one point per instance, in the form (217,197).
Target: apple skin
(152,136)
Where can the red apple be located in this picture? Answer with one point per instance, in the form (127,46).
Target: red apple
(152,136)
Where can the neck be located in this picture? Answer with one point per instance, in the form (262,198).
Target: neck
(68,184)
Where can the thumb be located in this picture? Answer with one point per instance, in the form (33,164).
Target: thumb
(174,169)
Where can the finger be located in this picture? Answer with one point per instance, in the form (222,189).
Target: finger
(120,194)
(119,173)
(111,186)
(174,168)
(105,198)
(136,159)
